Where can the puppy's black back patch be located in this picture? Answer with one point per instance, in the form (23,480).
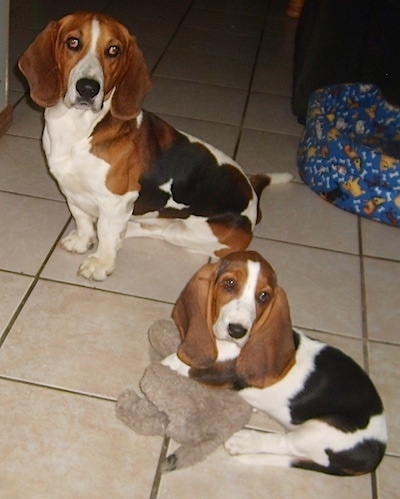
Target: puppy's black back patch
(337,391)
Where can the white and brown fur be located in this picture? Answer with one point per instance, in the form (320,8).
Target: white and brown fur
(236,331)
(124,171)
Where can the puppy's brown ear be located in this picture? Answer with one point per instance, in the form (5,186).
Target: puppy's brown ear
(132,86)
(270,351)
(193,317)
(39,66)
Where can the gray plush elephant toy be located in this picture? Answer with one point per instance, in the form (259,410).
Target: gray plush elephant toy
(198,417)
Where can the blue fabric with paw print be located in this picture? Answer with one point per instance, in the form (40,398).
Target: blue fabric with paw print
(349,153)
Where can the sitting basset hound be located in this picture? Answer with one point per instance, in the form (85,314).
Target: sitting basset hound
(236,332)
(124,171)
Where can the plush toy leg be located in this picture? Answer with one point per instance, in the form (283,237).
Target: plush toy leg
(164,339)
(140,414)
(187,455)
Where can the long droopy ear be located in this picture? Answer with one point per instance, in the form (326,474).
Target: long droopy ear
(270,351)
(39,66)
(192,315)
(133,85)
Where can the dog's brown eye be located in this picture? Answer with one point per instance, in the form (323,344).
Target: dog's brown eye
(263,297)
(230,284)
(113,51)
(73,43)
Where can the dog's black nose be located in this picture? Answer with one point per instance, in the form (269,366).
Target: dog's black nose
(236,330)
(87,88)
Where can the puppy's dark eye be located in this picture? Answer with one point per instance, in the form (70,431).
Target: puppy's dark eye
(263,297)
(113,51)
(73,44)
(230,284)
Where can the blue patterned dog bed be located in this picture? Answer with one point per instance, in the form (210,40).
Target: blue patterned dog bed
(350,151)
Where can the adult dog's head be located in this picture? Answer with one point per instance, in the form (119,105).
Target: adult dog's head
(237,300)
(85,59)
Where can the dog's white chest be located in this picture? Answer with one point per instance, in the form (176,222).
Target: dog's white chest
(66,142)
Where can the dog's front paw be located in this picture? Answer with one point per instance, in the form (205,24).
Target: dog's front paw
(242,442)
(96,268)
(76,244)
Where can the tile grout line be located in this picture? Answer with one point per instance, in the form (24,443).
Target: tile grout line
(158,474)
(31,196)
(364,321)
(179,24)
(321,248)
(364,326)
(32,286)
(54,388)
(246,103)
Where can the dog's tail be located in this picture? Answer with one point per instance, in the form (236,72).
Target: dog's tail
(280,178)
(260,181)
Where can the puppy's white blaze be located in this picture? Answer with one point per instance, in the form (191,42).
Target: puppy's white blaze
(241,310)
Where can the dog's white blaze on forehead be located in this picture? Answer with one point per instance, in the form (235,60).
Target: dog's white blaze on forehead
(253,270)
(95,36)
(242,309)
(87,67)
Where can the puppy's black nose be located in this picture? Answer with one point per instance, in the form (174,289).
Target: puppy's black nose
(236,330)
(87,88)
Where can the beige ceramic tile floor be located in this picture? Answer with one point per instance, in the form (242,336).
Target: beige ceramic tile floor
(68,348)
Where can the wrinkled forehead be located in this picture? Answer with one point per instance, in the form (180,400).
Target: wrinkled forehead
(79,26)
(239,264)
(91,27)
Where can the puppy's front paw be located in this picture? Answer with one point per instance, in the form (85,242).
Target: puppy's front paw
(76,244)
(242,442)
(95,268)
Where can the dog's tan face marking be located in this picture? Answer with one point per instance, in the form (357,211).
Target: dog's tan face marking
(242,292)
(112,51)
(73,43)
(91,47)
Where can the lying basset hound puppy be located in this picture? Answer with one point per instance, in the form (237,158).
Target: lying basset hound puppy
(124,171)
(236,331)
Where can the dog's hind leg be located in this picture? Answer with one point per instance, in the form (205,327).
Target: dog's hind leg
(193,233)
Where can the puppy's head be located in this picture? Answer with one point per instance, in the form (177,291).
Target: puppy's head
(236,300)
(244,286)
(85,59)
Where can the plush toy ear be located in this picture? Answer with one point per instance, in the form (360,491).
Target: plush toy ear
(193,317)
(39,66)
(133,85)
(270,351)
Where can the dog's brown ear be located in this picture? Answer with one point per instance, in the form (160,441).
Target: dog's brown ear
(270,351)
(193,317)
(39,66)
(132,86)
